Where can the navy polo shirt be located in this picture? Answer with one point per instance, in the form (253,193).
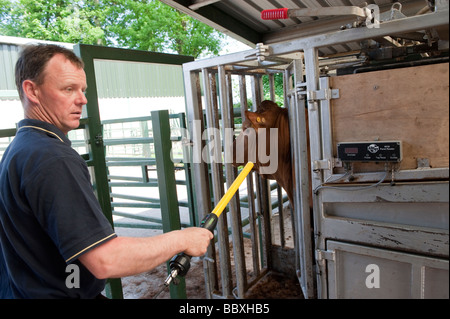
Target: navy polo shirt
(49,217)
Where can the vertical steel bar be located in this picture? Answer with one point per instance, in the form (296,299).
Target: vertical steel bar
(167,185)
(252,215)
(188,175)
(263,187)
(312,85)
(94,132)
(325,118)
(222,226)
(212,124)
(236,224)
(288,102)
(199,167)
(196,127)
(279,189)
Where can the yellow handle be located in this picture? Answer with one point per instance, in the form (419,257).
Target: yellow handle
(233,188)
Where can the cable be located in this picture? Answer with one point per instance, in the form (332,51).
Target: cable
(357,188)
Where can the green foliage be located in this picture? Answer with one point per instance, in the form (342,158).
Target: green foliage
(134,24)
(278,84)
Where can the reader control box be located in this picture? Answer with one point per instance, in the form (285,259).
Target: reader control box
(378,151)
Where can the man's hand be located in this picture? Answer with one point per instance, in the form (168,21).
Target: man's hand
(197,240)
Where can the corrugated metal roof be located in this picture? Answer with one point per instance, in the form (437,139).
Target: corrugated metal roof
(114,78)
(241,19)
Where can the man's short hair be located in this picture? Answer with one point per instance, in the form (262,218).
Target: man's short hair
(33,59)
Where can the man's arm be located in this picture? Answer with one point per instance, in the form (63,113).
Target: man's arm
(127,256)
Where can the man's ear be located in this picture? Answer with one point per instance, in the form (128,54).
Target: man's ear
(30,91)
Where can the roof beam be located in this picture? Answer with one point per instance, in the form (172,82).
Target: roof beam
(201,3)
(219,20)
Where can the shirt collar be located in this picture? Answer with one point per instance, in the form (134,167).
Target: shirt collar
(44,126)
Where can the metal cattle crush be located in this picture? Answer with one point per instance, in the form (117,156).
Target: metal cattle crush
(320,254)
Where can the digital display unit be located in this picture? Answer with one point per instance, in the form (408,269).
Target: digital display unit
(377,151)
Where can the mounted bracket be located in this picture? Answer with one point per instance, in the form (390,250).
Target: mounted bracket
(321,165)
(322,255)
(324,94)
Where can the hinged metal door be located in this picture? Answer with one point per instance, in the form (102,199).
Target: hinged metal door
(356,271)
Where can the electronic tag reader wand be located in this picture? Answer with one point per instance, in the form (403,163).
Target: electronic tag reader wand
(179,265)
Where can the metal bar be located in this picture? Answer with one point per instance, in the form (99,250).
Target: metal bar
(421,22)
(200,169)
(312,83)
(127,120)
(256,99)
(8,132)
(131,163)
(136,205)
(188,177)
(327,11)
(125,141)
(218,187)
(137,225)
(227,126)
(291,103)
(216,170)
(133,184)
(263,188)
(143,218)
(167,187)
(281,217)
(326,127)
(197,4)
(279,189)
(251,194)
(94,132)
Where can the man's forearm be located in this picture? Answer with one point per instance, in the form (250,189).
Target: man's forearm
(126,256)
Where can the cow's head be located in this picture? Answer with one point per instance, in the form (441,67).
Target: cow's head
(259,140)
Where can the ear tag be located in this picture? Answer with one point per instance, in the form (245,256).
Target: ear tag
(258,119)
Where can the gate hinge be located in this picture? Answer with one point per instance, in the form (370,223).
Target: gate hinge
(261,52)
(325,255)
(98,139)
(324,94)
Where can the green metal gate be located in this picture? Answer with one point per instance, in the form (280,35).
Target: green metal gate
(94,131)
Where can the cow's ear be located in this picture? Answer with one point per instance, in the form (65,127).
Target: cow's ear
(252,116)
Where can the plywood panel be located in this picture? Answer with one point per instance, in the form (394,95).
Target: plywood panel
(409,104)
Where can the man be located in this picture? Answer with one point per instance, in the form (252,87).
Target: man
(49,215)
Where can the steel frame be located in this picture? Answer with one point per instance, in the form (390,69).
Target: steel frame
(304,91)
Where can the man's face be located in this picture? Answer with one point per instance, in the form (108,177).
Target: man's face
(61,95)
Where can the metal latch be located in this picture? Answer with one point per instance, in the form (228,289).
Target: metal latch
(325,255)
(321,165)
(325,94)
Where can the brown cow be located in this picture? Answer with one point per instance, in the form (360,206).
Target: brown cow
(247,148)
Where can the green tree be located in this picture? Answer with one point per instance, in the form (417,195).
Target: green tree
(54,20)
(4,6)
(278,84)
(134,24)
